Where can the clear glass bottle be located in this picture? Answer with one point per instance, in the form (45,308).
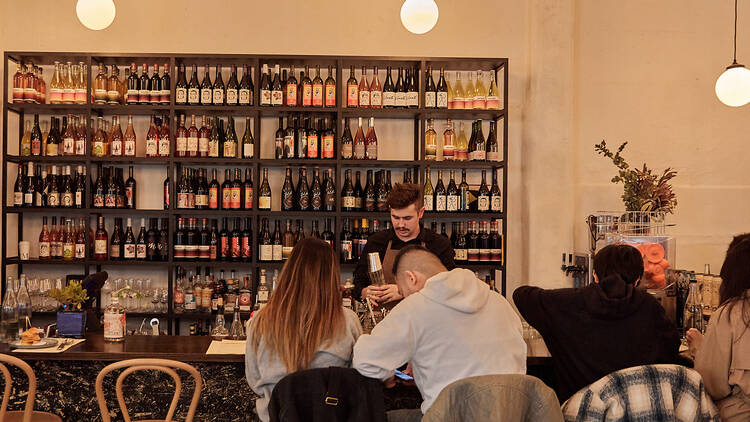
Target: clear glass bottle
(693,316)
(23,301)
(114,320)
(430,142)
(9,321)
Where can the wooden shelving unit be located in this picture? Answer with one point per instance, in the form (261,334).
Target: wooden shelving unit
(417,165)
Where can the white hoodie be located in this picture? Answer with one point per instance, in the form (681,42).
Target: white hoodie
(454,328)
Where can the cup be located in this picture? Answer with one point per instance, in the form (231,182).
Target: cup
(23,250)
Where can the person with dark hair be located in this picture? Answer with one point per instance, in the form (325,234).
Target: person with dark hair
(405,202)
(723,356)
(601,328)
(450,326)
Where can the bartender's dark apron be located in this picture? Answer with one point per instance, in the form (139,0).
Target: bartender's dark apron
(388,260)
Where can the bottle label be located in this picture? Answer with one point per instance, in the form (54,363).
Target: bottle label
(277,254)
(213,148)
(67,199)
(235,200)
(213,198)
(248,198)
(412,99)
(376,98)
(164,97)
(330,95)
(114,326)
(181,145)
(428,202)
(128,251)
(440,202)
(18,198)
(352,95)
(364,98)
(111,96)
(291,95)
(79,97)
(179,251)
(80,147)
(43,249)
(473,254)
(264,202)
(218,95)
(144,95)
(114,251)
(451,203)
(496,203)
(140,251)
(116,149)
(346,151)
(28,198)
(69,146)
(460,254)
(307,94)
(400,99)
(493,156)
(286,252)
(442,100)
(371,153)
(479,102)
(317,95)
(262,295)
(203,146)
(348,202)
(479,155)
(448,152)
(53,200)
(100,246)
(266,252)
(55,94)
(193,96)
(496,255)
(180,95)
(110,201)
(483,203)
(179,297)
(163,147)
(346,250)
(389,98)
(100,95)
(265,97)
(245,96)
(328,146)
(232,96)
(246,249)
(206,96)
(277,98)
(493,103)
(80,251)
(226,198)
(192,144)
(429,99)
(98,201)
(312,147)
(129,199)
(201,200)
(236,250)
(230,149)
(52,150)
(484,254)
(151,148)
(245,302)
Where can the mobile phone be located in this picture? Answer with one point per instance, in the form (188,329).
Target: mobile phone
(402,375)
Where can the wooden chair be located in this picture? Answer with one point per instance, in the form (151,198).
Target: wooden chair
(28,414)
(163,365)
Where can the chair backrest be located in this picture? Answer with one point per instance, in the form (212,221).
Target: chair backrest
(506,397)
(647,392)
(133,365)
(29,409)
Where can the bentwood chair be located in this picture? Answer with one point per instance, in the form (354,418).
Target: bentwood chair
(28,414)
(163,365)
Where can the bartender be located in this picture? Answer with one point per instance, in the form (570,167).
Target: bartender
(405,202)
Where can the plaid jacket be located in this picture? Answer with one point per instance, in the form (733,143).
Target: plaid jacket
(644,393)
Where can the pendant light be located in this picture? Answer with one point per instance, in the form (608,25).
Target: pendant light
(733,86)
(95,14)
(419,16)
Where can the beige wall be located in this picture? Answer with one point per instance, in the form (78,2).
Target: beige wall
(580,71)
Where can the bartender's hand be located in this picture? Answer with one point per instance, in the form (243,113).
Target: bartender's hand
(384,294)
(694,340)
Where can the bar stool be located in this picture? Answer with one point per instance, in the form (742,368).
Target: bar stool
(28,414)
(163,365)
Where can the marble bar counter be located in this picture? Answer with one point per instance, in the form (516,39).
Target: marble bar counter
(66,381)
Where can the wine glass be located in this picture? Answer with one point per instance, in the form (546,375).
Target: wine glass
(146,294)
(163,300)
(34,293)
(44,287)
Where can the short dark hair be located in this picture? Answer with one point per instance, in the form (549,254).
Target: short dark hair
(405,251)
(735,271)
(404,194)
(624,260)
(737,240)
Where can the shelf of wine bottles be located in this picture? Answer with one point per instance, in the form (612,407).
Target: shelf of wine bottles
(286,128)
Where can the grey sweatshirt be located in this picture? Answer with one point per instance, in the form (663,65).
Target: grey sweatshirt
(264,369)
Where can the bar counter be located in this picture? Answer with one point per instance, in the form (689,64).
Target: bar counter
(66,380)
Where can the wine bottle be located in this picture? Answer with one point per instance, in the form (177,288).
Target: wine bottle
(181,86)
(428,192)
(472,243)
(358,192)
(29,187)
(246,87)
(287,241)
(287,192)
(496,243)
(291,89)
(381,199)
(330,88)
(36,138)
(166,86)
(181,137)
(18,187)
(480,94)
(302,199)
(247,190)
(230,143)
(44,241)
(232,87)
(376,92)
(277,244)
(192,138)
(364,90)
(460,245)
(440,194)
(167,195)
(347,254)
(483,197)
(100,240)
(371,142)
(226,191)
(313,139)
(441,96)
(214,140)
(328,140)
(329,192)
(225,242)
(277,91)
(370,194)
(493,95)
(264,194)
(465,198)
(265,86)
(265,247)
(389,90)
(206,87)
(496,204)
(347,193)
(248,143)
(236,201)
(236,241)
(289,137)
(306,88)
(492,148)
(279,139)
(130,190)
(412,95)
(327,234)
(479,151)
(430,142)
(359,142)
(193,88)
(352,90)
(430,90)
(301,138)
(155,96)
(452,194)
(400,90)
(484,242)
(316,192)
(347,143)
(469,91)
(246,243)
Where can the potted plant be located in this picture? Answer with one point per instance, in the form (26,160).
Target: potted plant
(71,317)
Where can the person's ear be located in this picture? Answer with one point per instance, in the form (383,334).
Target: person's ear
(420,213)
(411,277)
(596,278)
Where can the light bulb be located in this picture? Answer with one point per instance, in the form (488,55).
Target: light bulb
(95,14)
(419,16)
(733,86)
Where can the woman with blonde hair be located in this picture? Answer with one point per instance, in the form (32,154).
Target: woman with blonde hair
(303,326)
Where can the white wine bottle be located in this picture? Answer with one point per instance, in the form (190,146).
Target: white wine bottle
(480,93)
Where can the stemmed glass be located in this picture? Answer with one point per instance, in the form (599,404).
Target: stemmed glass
(44,287)
(34,294)
(163,300)
(146,294)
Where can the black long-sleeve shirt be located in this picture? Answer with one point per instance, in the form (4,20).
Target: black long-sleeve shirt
(378,242)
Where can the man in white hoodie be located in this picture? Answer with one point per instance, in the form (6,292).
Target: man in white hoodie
(450,326)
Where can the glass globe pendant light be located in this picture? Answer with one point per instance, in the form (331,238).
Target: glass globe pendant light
(419,16)
(95,14)
(733,86)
